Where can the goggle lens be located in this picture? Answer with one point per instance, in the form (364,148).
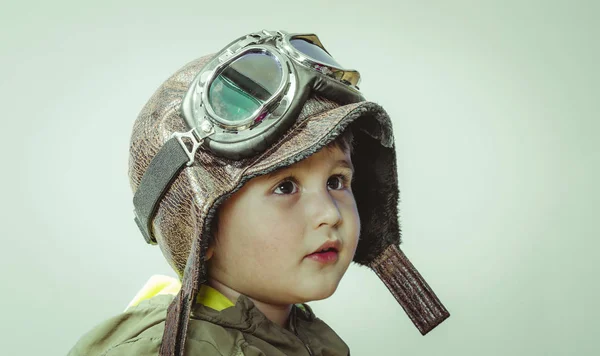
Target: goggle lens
(247,83)
(313,51)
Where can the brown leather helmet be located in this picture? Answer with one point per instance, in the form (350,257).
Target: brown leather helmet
(181,220)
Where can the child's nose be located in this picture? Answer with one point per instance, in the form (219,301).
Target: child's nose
(323,209)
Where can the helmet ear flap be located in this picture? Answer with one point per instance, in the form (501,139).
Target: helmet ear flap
(376,193)
(410,289)
(177,320)
(375,188)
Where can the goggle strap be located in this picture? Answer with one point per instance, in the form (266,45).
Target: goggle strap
(161,172)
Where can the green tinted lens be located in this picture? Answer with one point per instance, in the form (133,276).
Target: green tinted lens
(241,88)
(230,102)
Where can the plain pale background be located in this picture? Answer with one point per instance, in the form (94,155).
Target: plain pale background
(496,113)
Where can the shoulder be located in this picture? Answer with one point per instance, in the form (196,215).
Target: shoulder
(146,346)
(139,325)
(139,331)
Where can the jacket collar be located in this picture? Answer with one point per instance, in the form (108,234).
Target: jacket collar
(303,330)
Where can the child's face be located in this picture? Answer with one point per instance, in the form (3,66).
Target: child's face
(267,229)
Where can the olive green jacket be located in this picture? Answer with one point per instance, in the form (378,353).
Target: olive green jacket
(238,330)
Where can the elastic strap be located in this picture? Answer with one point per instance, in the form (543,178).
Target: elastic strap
(161,172)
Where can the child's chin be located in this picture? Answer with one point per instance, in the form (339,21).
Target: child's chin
(319,292)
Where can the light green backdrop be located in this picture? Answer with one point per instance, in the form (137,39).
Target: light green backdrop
(496,111)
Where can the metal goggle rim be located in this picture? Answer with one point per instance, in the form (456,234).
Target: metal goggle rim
(288,80)
(349,77)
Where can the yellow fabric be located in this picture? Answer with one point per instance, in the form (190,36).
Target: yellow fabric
(159,284)
(212,298)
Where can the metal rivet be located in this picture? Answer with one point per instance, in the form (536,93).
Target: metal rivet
(206,126)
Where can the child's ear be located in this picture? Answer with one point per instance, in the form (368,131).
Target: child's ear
(214,229)
(209,252)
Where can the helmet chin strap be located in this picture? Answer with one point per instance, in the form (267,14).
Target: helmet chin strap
(409,288)
(177,321)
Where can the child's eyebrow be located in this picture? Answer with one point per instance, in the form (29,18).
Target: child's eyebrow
(345,163)
(273,175)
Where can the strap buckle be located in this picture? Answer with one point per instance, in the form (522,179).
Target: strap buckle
(196,138)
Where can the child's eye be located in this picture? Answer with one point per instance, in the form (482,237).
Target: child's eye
(338,182)
(286,187)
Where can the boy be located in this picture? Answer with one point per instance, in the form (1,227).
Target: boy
(256,171)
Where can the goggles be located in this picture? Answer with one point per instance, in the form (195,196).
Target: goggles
(241,102)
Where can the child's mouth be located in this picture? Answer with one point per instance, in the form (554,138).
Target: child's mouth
(327,256)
